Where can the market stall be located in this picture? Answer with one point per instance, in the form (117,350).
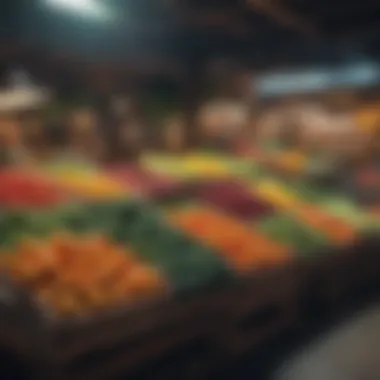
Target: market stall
(184,259)
(117,262)
(220,261)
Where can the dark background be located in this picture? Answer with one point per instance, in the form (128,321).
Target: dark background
(168,45)
(299,32)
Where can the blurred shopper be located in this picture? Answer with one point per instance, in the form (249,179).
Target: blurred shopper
(222,123)
(124,142)
(371,152)
(11,148)
(247,142)
(36,138)
(174,138)
(131,139)
(279,129)
(268,128)
(19,96)
(85,142)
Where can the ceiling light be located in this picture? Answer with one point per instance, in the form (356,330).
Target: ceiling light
(85,8)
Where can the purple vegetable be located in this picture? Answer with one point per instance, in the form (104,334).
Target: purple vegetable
(235,199)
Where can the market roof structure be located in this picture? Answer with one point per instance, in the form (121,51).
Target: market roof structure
(163,33)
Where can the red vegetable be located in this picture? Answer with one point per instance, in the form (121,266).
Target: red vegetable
(234,199)
(22,189)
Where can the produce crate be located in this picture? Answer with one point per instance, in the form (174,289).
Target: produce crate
(24,335)
(125,338)
(184,335)
(329,275)
(332,280)
(168,335)
(265,301)
(326,272)
(211,316)
(189,336)
(367,261)
(260,307)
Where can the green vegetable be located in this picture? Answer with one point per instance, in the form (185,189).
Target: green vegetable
(286,230)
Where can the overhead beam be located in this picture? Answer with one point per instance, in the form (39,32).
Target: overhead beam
(326,7)
(218,19)
(224,19)
(210,18)
(283,16)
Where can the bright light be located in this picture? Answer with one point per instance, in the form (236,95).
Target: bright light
(86,8)
(360,74)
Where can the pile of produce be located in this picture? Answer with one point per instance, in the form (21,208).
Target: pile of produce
(199,166)
(336,229)
(108,249)
(28,190)
(234,198)
(72,275)
(242,247)
(334,226)
(267,209)
(291,162)
(275,193)
(163,165)
(141,180)
(85,256)
(290,232)
(87,182)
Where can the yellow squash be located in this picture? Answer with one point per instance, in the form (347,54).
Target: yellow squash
(204,166)
(273,192)
(91,185)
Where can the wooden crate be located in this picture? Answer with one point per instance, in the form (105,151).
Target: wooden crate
(166,336)
(170,336)
(367,261)
(325,281)
(163,353)
(187,337)
(25,341)
(259,308)
(332,280)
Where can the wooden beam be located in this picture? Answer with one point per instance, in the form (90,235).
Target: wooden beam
(210,18)
(326,7)
(283,16)
(220,19)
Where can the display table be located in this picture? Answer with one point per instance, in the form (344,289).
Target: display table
(193,277)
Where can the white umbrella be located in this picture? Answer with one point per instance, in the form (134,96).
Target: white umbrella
(22,95)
